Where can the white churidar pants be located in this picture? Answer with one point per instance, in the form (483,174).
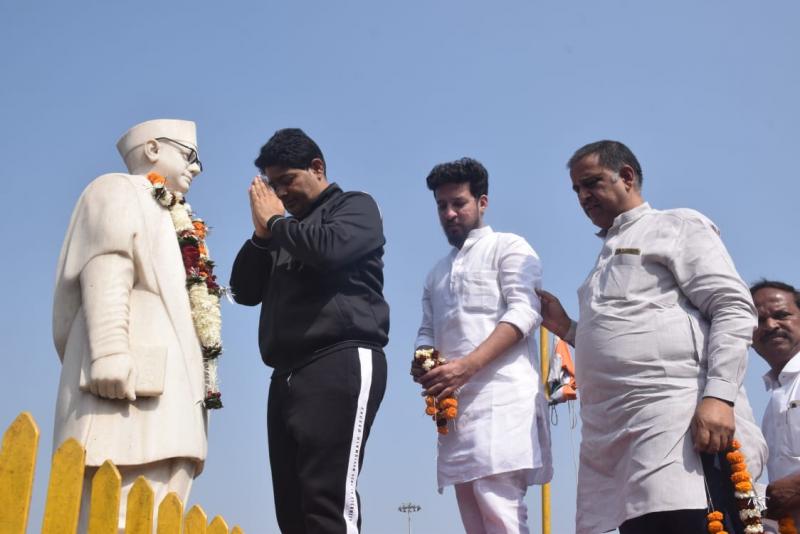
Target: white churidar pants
(494,504)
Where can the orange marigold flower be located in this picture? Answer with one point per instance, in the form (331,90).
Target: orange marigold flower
(430,400)
(430,410)
(740,476)
(735,445)
(715,526)
(451,412)
(741,466)
(714,516)
(743,486)
(442,429)
(156,179)
(786,522)
(735,457)
(448,403)
(199,229)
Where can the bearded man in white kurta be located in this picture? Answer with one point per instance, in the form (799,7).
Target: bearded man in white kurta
(661,350)
(480,312)
(122,323)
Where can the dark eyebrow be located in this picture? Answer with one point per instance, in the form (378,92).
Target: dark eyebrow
(587,180)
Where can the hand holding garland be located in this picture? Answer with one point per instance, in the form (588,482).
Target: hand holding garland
(444,380)
(713,425)
(427,358)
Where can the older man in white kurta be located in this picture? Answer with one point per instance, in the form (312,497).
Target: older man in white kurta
(120,295)
(661,349)
(500,441)
(664,321)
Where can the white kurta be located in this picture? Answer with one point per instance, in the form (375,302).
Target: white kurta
(137,299)
(501,424)
(781,423)
(664,320)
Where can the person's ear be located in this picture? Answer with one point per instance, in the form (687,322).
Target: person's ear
(628,176)
(317,167)
(483,203)
(151,148)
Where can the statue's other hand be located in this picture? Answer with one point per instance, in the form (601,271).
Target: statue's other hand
(113,377)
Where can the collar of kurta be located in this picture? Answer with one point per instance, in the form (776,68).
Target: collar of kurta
(473,237)
(626,217)
(789,371)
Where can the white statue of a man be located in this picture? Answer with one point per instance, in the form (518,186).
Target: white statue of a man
(135,381)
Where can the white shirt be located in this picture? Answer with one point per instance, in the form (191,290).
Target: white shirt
(781,424)
(501,424)
(664,321)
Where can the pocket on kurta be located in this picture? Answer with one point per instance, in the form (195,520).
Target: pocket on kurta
(793,422)
(617,274)
(480,291)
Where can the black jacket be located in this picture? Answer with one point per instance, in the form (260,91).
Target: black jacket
(319,281)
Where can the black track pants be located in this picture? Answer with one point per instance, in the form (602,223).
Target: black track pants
(318,422)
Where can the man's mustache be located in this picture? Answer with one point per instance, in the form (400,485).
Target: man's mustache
(775,333)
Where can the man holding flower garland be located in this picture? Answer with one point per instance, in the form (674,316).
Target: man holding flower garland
(132,386)
(318,276)
(661,351)
(480,311)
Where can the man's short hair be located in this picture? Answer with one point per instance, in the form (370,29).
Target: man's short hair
(774,284)
(611,155)
(290,148)
(464,170)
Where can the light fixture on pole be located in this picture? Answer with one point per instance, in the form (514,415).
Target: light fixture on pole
(409,508)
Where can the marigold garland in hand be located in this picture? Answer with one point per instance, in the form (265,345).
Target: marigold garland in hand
(447,408)
(745,496)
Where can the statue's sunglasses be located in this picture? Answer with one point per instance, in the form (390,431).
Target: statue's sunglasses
(191,158)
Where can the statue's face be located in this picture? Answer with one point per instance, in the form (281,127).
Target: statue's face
(177,162)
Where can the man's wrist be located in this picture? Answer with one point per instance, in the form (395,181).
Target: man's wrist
(272,220)
(260,241)
(569,335)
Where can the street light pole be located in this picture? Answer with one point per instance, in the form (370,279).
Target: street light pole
(409,508)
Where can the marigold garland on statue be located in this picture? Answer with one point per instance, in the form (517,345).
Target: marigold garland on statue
(446,409)
(201,284)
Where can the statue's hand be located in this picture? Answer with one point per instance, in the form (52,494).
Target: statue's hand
(113,377)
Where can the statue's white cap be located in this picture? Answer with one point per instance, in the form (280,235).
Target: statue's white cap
(179,130)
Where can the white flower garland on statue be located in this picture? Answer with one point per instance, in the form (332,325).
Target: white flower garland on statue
(201,285)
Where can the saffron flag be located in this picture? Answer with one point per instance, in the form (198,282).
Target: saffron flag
(561,378)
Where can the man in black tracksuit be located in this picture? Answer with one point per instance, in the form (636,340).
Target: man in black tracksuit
(318,276)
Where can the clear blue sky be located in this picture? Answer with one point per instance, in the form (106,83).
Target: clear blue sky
(705,93)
